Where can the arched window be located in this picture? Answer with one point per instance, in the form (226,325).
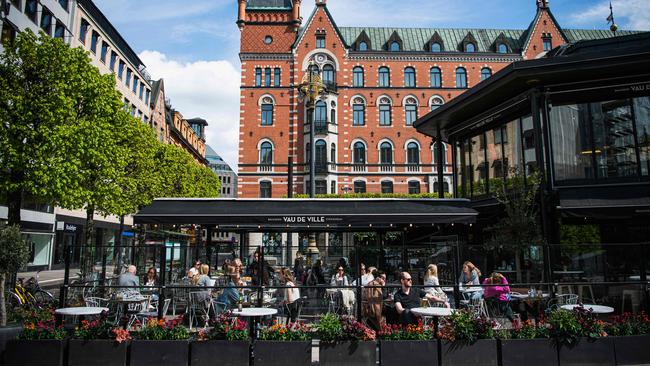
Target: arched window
(435,77)
(358,112)
(384,76)
(359,186)
(333,113)
(329,75)
(314,68)
(386,186)
(386,153)
(436,102)
(435,154)
(395,47)
(321,154)
(359,152)
(266,153)
(267,111)
(411,110)
(363,46)
(412,153)
(333,153)
(436,47)
(461,78)
(470,47)
(384,112)
(485,73)
(502,48)
(357,77)
(414,187)
(265,189)
(445,187)
(409,77)
(320,112)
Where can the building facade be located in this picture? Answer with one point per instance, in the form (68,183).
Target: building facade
(378,81)
(188,134)
(227,176)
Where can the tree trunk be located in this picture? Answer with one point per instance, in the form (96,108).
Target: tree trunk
(89,248)
(518,264)
(118,248)
(3,306)
(14,203)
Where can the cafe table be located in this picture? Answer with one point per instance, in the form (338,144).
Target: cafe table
(434,312)
(596,309)
(81,312)
(254,314)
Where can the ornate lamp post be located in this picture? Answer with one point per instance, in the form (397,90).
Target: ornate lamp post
(311,87)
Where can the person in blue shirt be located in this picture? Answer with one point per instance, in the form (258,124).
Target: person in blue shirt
(231,294)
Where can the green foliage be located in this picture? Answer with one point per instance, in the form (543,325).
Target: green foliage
(463,325)
(161,330)
(411,332)
(629,325)
(181,176)
(375,195)
(225,327)
(529,330)
(14,249)
(286,333)
(568,326)
(41,324)
(329,328)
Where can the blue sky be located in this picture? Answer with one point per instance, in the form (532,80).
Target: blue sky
(194,44)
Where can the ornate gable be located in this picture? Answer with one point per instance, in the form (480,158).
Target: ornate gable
(363,37)
(469,39)
(394,38)
(435,39)
(502,39)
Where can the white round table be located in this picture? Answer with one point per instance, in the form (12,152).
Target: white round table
(432,311)
(596,309)
(254,313)
(527,296)
(80,311)
(471,289)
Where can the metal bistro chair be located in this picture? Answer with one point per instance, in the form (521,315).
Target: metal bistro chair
(180,297)
(559,300)
(144,315)
(133,309)
(200,304)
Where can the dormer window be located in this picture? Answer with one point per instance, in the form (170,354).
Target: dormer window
(502,48)
(395,47)
(363,46)
(436,47)
(470,47)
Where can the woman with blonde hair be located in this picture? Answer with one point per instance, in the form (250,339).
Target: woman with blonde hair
(433,284)
(291,294)
(203,278)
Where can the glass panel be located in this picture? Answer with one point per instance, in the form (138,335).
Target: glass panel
(613,139)
(642,116)
(479,167)
(384,115)
(571,142)
(528,137)
(512,145)
(495,162)
(386,186)
(358,117)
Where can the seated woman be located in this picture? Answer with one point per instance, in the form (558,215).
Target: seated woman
(339,278)
(231,295)
(499,294)
(470,276)
(433,285)
(291,294)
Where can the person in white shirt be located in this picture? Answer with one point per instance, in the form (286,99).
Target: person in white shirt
(194,270)
(339,278)
(291,294)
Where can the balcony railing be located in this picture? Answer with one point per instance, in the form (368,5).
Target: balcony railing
(359,167)
(321,127)
(266,168)
(386,167)
(321,168)
(330,86)
(413,167)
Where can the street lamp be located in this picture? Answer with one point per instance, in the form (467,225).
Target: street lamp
(311,87)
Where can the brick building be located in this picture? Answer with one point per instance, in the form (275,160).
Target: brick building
(378,81)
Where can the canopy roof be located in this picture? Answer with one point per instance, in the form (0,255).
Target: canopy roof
(302,214)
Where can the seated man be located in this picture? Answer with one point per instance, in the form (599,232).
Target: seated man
(408,298)
(129,278)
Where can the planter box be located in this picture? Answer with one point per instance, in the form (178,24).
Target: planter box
(223,353)
(481,352)
(632,350)
(154,353)
(529,352)
(586,352)
(396,353)
(96,352)
(275,353)
(8,333)
(349,353)
(47,352)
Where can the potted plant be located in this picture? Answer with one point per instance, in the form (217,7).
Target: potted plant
(283,345)
(528,343)
(228,337)
(467,340)
(40,343)
(631,335)
(344,341)
(414,343)
(160,342)
(14,254)
(580,338)
(98,342)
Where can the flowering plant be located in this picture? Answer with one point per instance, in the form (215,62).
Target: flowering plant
(354,330)
(629,324)
(332,329)
(568,326)
(529,330)
(463,325)
(411,332)
(225,327)
(101,329)
(292,332)
(159,329)
(41,324)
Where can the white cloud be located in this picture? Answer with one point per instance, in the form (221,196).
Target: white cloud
(127,11)
(629,14)
(206,89)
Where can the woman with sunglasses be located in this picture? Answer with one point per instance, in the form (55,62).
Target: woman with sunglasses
(339,278)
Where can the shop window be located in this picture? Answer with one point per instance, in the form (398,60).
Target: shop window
(265,189)
(414,187)
(359,186)
(386,187)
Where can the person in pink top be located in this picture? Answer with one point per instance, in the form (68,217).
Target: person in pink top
(498,294)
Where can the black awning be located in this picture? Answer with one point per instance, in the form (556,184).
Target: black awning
(605,202)
(307,213)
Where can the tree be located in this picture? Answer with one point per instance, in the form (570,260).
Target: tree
(14,254)
(182,176)
(45,87)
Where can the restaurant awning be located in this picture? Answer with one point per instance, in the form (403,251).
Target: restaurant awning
(605,202)
(310,214)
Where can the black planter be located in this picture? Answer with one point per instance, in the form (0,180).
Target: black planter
(154,353)
(47,352)
(588,352)
(481,352)
(529,352)
(224,353)
(275,353)
(10,332)
(350,353)
(632,350)
(396,353)
(96,352)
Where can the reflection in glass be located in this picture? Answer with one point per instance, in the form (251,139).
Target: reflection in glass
(479,167)
(642,117)
(613,139)
(571,141)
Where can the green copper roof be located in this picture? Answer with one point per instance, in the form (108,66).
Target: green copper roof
(416,39)
(269,4)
